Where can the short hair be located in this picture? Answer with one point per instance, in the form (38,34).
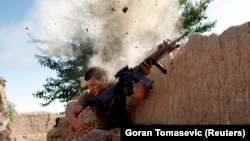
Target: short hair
(97,72)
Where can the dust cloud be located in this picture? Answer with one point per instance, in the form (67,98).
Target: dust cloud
(122,30)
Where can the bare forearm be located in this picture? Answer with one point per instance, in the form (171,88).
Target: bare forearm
(71,117)
(73,111)
(141,91)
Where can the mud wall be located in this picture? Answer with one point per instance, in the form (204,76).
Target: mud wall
(208,82)
(5,129)
(32,126)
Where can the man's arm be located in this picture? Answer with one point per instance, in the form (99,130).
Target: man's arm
(73,110)
(72,114)
(141,91)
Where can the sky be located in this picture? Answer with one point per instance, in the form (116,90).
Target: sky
(25,75)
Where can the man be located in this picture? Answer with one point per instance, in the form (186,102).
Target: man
(109,119)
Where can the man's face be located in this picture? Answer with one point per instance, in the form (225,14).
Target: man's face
(95,86)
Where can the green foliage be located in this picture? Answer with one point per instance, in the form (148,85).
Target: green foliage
(193,16)
(69,70)
(11,111)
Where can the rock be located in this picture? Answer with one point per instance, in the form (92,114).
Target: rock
(125,9)
(60,133)
(65,130)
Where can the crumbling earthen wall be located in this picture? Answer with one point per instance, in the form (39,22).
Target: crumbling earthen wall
(208,82)
(5,129)
(32,126)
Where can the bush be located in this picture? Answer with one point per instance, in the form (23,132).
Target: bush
(11,111)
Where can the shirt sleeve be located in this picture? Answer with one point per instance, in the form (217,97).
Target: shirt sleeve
(84,98)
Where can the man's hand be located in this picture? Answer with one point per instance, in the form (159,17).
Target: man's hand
(146,67)
(167,45)
(81,128)
(141,91)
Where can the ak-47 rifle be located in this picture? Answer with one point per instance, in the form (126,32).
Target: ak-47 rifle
(129,76)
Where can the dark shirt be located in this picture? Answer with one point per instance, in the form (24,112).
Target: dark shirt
(113,116)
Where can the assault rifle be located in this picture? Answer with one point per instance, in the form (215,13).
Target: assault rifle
(129,76)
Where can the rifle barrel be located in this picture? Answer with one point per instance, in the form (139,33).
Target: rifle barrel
(183,35)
